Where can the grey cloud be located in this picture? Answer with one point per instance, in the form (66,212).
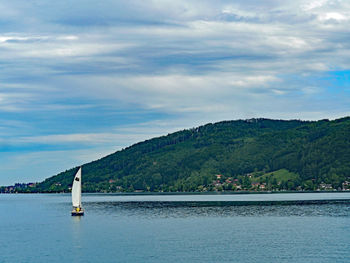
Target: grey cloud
(164,38)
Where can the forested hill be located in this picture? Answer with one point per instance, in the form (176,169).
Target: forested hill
(249,154)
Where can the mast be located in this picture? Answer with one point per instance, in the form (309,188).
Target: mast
(76,190)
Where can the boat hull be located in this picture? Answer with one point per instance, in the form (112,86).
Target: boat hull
(77,213)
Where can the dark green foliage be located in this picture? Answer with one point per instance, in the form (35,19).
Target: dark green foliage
(189,160)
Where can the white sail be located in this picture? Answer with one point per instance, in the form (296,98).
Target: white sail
(76,189)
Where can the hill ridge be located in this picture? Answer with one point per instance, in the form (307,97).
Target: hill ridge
(241,151)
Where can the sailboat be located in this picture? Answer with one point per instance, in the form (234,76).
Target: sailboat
(76,195)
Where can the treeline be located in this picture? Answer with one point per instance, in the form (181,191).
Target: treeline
(189,160)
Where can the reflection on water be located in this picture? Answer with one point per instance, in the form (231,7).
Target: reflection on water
(76,219)
(338,208)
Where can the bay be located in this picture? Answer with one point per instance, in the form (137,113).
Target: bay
(290,227)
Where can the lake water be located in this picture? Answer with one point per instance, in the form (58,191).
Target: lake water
(310,227)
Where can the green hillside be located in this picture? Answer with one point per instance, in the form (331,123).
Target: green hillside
(248,154)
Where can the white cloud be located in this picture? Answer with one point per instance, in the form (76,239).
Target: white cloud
(79,138)
(309,5)
(118,137)
(14,101)
(333,16)
(178,93)
(56,46)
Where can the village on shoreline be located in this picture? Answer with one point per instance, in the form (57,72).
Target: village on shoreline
(221,184)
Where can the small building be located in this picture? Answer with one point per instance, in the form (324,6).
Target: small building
(218,176)
(324,186)
(346,185)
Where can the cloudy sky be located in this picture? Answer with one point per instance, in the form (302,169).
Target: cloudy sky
(81,79)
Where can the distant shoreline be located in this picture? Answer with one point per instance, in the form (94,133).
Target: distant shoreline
(187,193)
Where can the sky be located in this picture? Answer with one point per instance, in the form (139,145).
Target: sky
(83,79)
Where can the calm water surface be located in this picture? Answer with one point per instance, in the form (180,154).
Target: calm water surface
(313,227)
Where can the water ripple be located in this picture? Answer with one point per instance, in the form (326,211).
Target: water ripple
(222,209)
